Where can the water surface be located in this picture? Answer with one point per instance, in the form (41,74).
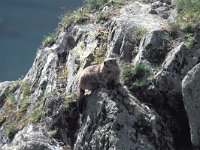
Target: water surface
(23,24)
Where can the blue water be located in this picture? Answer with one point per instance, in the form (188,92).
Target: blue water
(23,25)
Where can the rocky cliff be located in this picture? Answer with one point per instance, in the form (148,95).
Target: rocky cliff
(156,107)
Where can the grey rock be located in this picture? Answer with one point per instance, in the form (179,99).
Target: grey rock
(167,1)
(172,17)
(156,4)
(177,63)
(82,54)
(168,81)
(163,11)
(133,17)
(117,120)
(3,88)
(32,138)
(162,8)
(153,48)
(191,98)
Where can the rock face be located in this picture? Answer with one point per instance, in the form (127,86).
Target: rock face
(32,138)
(120,121)
(153,48)
(3,87)
(40,111)
(190,90)
(134,18)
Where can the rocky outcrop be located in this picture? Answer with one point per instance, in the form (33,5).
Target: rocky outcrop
(3,88)
(190,90)
(134,20)
(153,48)
(117,120)
(32,138)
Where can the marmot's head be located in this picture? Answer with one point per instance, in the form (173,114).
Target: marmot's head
(110,62)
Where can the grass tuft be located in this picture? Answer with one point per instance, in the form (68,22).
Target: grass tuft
(188,13)
(50,39)
(137,76)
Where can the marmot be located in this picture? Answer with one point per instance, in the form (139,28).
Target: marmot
(91,77)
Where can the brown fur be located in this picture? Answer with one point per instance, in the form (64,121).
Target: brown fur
(92,76)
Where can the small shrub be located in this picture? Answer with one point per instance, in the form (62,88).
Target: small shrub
(10,97)
(10,129)
(136,76)
(25,91)
(95,4)
(188,43)
(78,16)
(24,103)
(67,99)
(166,38)
(63,72)
(26,88)
(48,95)
(102,16)
(50,39)
(70,97)
(34,115)
(13,86)
(66,19)
(65,106)
(139,33)
(120,2)
(188,13)
(100,51)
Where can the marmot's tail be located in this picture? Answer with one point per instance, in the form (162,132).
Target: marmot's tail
(81,100)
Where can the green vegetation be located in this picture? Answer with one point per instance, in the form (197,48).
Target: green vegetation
(95,4)
(62,72)
(166,37)
(188,42)
(66,19)
(81,15)
(78,16)
(67,99)
(50,39)
(25,91)
(65,106)
(139,33)
(10,129)
(188,13)
(100,51)
(24,103)
(34,115)
(137,36)
(102,16)
(26,88)
(17,113)
(137,76)
(13,86)
(10,97)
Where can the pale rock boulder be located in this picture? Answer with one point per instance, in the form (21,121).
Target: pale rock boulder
(191,98)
